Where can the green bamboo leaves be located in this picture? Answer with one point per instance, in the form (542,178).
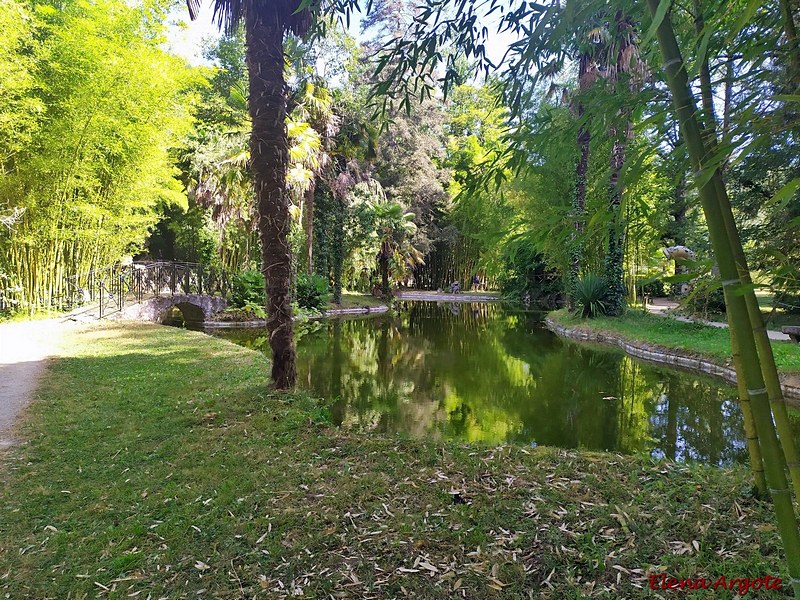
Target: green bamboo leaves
(755,360)
(85,138)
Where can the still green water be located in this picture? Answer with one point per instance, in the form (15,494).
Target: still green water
(479,373)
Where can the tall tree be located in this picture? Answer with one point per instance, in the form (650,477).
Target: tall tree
(266,24)
(623,68)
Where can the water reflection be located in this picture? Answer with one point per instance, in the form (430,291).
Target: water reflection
(479,373)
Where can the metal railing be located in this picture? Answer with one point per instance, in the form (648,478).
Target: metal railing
(108,289)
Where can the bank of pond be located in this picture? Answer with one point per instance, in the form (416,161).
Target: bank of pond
(484,373)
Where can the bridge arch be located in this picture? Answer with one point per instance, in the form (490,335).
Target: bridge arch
(195,307)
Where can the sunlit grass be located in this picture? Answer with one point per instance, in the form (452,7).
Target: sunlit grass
(713,342)
(158,464)
(357,300)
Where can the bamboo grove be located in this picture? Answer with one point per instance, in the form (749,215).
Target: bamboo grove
(88,114)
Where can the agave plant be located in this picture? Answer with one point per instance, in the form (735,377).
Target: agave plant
(590,296)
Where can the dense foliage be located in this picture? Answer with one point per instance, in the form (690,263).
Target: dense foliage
(110,146)
(89,109)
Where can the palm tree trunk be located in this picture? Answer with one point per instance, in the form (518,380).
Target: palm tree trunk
(338,250)
(713,199)
(384,264)
(269,147)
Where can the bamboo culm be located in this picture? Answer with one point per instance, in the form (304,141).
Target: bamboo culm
(751,372)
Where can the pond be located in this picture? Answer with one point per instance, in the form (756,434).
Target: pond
(481,373)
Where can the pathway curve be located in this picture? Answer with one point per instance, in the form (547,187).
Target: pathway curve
(662,306)
(24,349)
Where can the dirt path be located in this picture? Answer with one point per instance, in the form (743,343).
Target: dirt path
(24,349)
(661,306)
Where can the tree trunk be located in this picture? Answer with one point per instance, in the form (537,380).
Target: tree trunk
(793,48)
(678,212)
(728,100)
(269,148)
(338,250)
(384,264)
(714,201)
(615,257)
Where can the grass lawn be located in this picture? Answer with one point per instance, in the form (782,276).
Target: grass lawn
(357,300)
(773,319)
(713,342)
(159,466)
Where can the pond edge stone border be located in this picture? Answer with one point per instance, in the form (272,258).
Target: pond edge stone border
(333,312)
(661,355)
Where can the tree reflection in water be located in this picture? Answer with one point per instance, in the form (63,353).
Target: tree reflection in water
(480,373)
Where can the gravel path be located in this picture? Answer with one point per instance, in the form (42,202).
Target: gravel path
(24,349)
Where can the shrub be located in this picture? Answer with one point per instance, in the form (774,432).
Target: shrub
(247,288)
(248,312)
(526,274)
(312,291)
(590,295)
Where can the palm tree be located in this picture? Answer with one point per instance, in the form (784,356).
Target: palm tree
(266,23)
(622,65)
(585,46)
(394,227)
(587,74)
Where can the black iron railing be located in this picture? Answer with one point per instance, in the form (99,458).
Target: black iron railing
(108,289)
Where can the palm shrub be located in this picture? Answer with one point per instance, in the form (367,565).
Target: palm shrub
(312,291)
(590,296)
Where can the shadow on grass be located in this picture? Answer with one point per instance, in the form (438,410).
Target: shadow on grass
(160,465)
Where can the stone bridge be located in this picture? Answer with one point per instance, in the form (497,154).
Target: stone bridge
(195,307)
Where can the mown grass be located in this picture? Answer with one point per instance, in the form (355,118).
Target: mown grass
(696,338)
(158,465)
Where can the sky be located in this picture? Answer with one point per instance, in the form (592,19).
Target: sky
(185,37)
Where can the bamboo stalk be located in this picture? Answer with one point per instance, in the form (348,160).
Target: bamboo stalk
(751,372)
(764,346)
(768,367)
(710,137)
(751,435)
